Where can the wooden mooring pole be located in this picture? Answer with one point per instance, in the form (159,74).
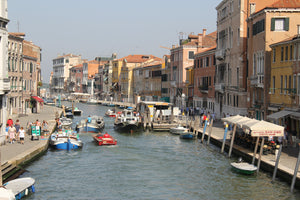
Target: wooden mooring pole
(277,163)
(255,150)
(210,130)
(232,140)
(260,152)
(295,172)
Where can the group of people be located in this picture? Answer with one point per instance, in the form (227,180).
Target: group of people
(14,132)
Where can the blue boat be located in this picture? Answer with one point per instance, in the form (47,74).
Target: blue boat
(65,140)
(187,135)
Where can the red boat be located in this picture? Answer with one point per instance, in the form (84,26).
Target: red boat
(110,113)
(105,139)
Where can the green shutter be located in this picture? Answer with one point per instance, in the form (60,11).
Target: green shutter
(273,24)
(286,24)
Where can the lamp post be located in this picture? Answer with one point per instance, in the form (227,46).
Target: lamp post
(183,101)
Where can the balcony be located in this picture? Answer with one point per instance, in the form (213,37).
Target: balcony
(220,54)
(257,81)
(220,87)
(4,85)
(203,89)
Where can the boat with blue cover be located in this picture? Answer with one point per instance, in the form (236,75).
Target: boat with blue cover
(65,140)
(187,135)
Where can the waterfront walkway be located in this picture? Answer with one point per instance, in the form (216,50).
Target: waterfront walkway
(15,154)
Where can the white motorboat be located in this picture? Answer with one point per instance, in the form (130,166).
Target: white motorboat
(178,130)
(127,119)
(20,187)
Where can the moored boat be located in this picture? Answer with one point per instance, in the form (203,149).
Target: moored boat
(65,140)
(21,187)
(77,112)
(92,124)
(110,113)
(187,135)
(92,101)
(105,139)
(127,120)
(178,130)
(243,167)
(69,114)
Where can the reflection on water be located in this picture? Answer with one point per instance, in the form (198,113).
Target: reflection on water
(145,165)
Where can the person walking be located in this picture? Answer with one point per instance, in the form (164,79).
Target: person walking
(12,133)
(10,122)
(22,135)
(45,126)
(17,125)
(6,133)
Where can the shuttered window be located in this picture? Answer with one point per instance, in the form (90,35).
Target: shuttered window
(280,24)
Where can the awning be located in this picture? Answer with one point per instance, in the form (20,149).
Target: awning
(38,99)
(279,115)
(295,115)
(258,128)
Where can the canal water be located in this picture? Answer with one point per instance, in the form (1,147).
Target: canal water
(145,165)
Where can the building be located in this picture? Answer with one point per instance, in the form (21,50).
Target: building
(61,72)
(285,83)
(182,56)
(126,76)
(147,81)
(4,79)
(116,73)
(32,79)
(272,24)
(75,79)
(16,100)
(231,54)
(204,81)
(166,79)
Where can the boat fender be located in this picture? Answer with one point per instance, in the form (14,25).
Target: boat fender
(26,191)
(19,196)
(33,188)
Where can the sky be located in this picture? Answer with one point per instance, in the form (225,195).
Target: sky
(93,28)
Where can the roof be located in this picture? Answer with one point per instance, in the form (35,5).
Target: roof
(138,58)
(67,55)
(282,4)
(287,40)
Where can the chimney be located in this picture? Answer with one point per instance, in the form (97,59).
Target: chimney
(204,32)
(200,37)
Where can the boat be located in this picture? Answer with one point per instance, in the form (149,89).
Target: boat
(77,112)
(111,105)
(92,101)
(187,135)
(127,119)
(66,123)
(243,167)
(69,115)
(65,140)
(20,187)
(6,194)
(94,125)
(104,139)
(121,106)
(178,130)
(110,113)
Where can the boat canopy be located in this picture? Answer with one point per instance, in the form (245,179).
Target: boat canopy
(258,128)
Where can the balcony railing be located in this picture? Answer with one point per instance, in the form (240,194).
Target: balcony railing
(257,81)
(4,85)
(220,54)
(220,87)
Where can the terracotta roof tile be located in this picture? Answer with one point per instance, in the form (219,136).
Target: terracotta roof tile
(286,4)
(138,58)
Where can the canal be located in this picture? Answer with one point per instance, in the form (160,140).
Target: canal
(145,165)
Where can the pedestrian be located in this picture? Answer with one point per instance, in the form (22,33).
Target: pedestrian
(6,133)
(10,122)
(38,126)
(12,133)
(17,125)
(22,135)
(45,126)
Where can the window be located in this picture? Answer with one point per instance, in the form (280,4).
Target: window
(285,84)
(291,52)
(258,27)
(290,84)
(274,55)
(286,53)
(298,29)
(281,57)
(281,84)
(294,84)
(273,85)
(191,55)
(279,24)
(207,61)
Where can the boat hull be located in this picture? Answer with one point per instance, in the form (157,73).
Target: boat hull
(244,168)
(104,141)
(65,143)
(89,129)
(189,136)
